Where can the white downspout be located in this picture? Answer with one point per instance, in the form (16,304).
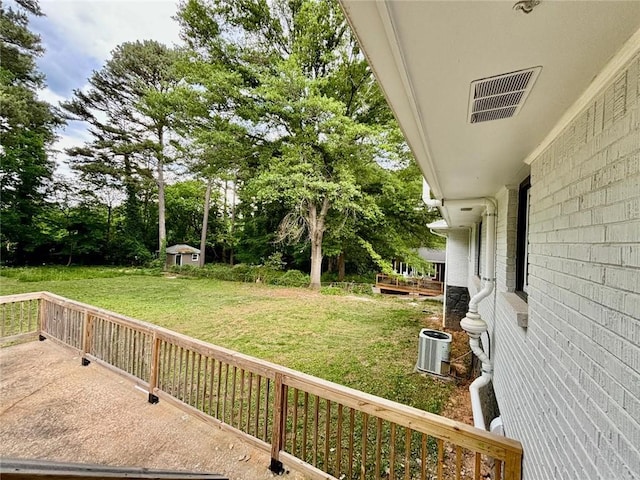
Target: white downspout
(473,323)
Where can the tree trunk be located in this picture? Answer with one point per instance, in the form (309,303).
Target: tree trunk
(316,260)
(233,222)
(108,240)
(132,210)
(224,222)
(316,233)
(162,230)
(341,267)
(205,222)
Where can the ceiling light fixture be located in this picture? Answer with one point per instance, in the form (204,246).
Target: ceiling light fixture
(526,6)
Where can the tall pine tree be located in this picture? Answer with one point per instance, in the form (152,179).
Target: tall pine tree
(26,131)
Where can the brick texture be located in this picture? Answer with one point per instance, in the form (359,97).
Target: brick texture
(568,386)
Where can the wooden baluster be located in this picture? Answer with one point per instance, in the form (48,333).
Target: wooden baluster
(392,452)
(241,408)
(266,409)
(363,466)
(20,329)
(407,454)
(226,392)
(205,374)
(458,462)
(175,368)
(3,307)
(233,395)
(258,396)
(378,446)
(339,443)
(249,400)
(440,458)
(498,469)
(478,463)
(218,389)
(304,426)
(316,421)
(352,419)
(294,434)
(211,376)
(423,458)
(285,413)
(327,435)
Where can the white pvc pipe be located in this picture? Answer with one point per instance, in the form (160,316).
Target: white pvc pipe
(476,405)
(473,323)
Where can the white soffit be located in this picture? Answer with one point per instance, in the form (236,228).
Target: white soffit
(425,55)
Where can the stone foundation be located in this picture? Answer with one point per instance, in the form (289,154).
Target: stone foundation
(457,304)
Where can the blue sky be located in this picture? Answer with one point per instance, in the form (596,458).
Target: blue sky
(79,35)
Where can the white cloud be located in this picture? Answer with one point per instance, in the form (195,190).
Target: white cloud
(49,96)
(87,31)
(96,27)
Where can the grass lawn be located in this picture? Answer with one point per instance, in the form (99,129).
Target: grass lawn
(368,343)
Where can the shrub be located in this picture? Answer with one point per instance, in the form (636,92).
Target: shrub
(245,273)
(332,291)
(293,278)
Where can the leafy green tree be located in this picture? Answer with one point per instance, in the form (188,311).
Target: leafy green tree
(313,106)
(184,211)
(131,105)
(26,131)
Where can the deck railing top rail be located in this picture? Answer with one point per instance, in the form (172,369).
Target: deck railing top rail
(268,402)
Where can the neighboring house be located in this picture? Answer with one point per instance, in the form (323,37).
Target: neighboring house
(182,255)
(437,258)
(527,129)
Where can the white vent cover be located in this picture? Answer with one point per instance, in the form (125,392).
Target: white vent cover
(501,96)
(433,349)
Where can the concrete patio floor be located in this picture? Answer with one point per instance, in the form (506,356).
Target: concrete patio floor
(52,408)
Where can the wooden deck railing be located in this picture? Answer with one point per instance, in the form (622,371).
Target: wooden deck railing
(327,430)
(421,286)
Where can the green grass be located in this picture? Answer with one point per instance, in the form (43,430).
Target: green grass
(368,343)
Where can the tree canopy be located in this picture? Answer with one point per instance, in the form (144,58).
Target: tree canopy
(265,133)
(27,129)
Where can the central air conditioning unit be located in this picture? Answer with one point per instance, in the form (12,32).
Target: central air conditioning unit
(433,351)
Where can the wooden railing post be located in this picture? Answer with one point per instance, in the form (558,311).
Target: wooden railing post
(86,337)
(279,419)
(513,466)
(41,317)
(153,373)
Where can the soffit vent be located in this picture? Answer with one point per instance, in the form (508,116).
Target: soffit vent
(501,96)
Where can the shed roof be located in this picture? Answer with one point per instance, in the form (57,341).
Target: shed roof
(181,248)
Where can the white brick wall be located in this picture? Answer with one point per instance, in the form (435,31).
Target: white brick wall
(568,386)
(457,258)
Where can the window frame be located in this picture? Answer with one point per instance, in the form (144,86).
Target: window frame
(522,239)
(195,257)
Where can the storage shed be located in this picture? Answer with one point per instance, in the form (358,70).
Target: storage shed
(182,254)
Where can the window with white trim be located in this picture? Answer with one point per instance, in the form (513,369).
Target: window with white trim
(194,257)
